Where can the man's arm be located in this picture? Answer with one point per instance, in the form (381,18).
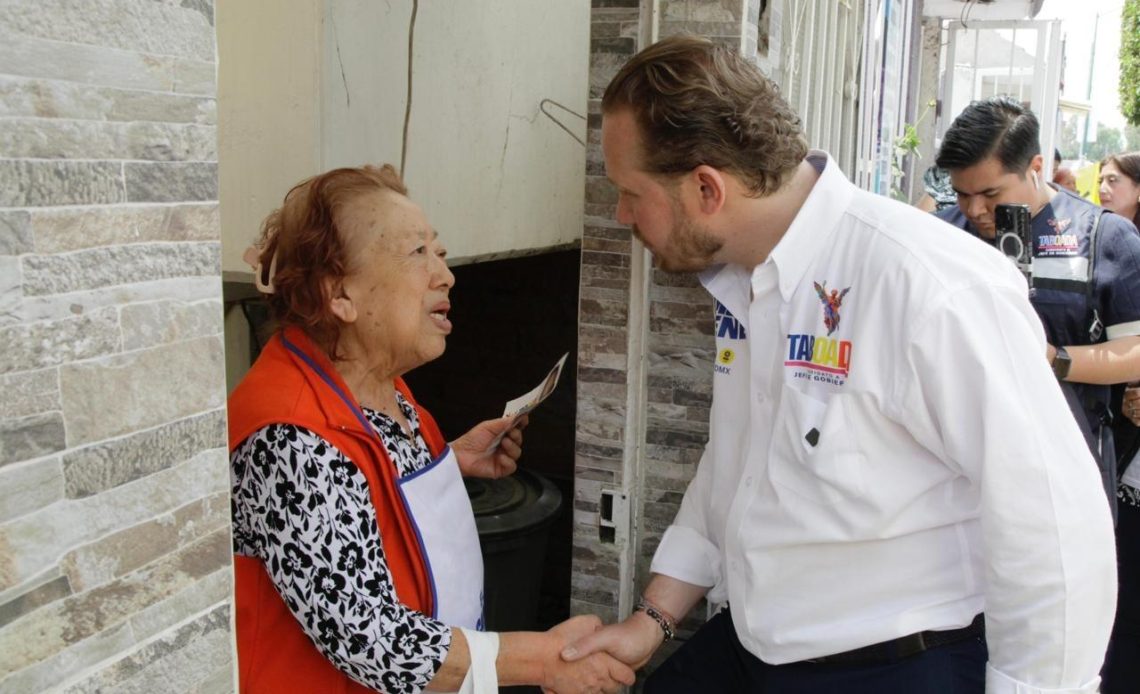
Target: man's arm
(634,640)
(1106,363)
(1045,528)
(1117,300)
(685,566)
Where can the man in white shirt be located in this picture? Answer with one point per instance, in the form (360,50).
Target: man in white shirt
(883,465)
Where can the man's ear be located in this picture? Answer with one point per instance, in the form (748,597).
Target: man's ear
(339,302)
(712,188)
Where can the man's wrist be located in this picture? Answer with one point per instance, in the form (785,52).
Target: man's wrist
(665,622)
(649,631)
(1061,363)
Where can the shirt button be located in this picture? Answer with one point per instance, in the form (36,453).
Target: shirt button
(748,481)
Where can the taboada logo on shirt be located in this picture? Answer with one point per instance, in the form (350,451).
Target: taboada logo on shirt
(822,358)
(727,328)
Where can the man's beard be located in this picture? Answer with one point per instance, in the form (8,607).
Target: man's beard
(689,248)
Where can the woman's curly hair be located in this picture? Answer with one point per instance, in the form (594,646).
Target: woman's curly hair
(303,246)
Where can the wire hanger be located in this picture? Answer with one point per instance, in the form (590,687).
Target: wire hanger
(542,107)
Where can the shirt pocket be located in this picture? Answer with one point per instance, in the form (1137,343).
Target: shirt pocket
(814,451)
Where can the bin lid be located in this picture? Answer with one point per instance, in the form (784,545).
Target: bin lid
(517,503)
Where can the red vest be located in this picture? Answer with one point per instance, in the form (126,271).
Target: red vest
(294,382)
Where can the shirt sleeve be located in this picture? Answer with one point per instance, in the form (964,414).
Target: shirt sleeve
(980,391)
(689,551)
(1117,279)
(304,509)
(686,552)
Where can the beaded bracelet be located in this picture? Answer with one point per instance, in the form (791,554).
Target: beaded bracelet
(663,620)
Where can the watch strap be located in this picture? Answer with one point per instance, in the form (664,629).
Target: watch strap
(1061,363)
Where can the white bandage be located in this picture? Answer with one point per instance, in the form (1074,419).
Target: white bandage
(482,677)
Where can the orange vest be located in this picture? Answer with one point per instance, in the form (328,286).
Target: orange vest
(294,382)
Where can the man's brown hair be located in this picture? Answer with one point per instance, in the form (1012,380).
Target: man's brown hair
(699,103)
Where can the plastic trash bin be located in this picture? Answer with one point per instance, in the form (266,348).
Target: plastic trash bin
(513,516)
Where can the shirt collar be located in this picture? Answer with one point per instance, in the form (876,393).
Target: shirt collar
(729,285)
(814,224)
(810,230)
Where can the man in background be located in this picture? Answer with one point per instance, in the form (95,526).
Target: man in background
(1085,282)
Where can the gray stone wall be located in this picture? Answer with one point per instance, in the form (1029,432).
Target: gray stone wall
(678,339)
(114,507)
(603,333)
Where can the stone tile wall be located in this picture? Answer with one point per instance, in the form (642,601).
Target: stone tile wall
(114,506)
(678,346)
(603,333)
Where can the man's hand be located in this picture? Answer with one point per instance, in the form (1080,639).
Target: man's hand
(477,454)
(593,673)
(632,641)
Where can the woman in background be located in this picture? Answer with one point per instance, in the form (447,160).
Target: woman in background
(1120,185)
(1120,193)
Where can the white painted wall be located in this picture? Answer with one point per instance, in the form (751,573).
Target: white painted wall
(269,54)
(493,174)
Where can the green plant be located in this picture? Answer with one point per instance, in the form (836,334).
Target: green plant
(1130,61)
(905,145)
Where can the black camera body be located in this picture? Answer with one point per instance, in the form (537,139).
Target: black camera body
(1013,237)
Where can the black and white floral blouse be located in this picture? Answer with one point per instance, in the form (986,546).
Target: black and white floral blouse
(305,511)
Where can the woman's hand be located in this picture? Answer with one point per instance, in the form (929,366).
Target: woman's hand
(632,641)
(491,449)
(599,672)
(1130,405)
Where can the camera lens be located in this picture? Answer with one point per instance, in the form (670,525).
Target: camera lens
(1011,246)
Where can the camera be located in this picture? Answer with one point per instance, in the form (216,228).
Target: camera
(1012,235)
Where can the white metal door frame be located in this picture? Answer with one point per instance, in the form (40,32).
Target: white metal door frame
(1045,90)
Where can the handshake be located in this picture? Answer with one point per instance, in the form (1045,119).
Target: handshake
(582,655)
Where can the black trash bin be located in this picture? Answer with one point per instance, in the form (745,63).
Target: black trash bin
(513,516)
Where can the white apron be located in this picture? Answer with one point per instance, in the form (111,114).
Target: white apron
(445,524)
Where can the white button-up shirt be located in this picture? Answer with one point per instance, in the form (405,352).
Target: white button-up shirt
(889,452)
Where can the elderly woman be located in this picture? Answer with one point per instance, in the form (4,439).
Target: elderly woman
(356,556)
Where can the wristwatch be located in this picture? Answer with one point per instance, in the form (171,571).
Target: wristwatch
(1061,364)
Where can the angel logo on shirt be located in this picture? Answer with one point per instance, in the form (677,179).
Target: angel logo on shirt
(1059,225)
(831,304)
(821,358)
(1058,243)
